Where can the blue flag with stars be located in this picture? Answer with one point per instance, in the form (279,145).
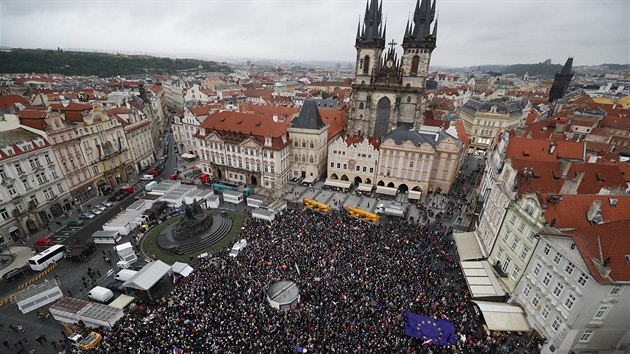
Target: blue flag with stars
(440,332)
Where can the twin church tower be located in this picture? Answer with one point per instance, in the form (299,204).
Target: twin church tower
(389,91)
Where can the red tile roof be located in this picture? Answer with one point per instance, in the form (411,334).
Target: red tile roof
(543,176)
(538,149)
(244,123)
(336,118)
(570,212)
(202,110)
(596,177)
(285,114)
(614,239)
(7,101)
(615,122)
(31,114)
(73,111)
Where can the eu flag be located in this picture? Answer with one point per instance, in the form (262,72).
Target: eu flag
(439,332)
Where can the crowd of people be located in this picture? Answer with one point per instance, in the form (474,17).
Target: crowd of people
(356,281)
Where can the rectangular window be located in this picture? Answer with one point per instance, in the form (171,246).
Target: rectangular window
(616,290)
(535,301)
(537,269)
(48,193)
(506,235)
(521,227)
(513,219)
(555,325)
(546,250)
(547,278)
(4,213)
(18,168)
(506,264)
(545,311)
(514,244)
(602,312)
(47,157)
(558,289)
(569,268)
(3,173)
(557,258)
(586,336)
(516,271)
(60,188)
(569,301)
(582,279)
(524,253)
(526,290)
(11,189)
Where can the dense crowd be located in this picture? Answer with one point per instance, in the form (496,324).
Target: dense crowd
(356,281)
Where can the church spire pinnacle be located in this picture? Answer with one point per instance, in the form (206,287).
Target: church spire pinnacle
(419,34)
(372,34)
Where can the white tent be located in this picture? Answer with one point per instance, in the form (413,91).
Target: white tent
(503,317)
(364,187)
(467,246)
(482,282)
(263,214)
(122,301)
(386,190)
(148,276)
(182,268)
(337,183)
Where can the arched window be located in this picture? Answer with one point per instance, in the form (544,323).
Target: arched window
(361,105)
(366,65)
(312,145)
(408,99)
(296,158)
(303,144)
(311,159)
(414,65)
(303,158)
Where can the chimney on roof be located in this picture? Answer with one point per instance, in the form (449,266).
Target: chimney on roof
(593,215)
(552,147)
(275,118)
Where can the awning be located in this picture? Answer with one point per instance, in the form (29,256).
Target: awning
(386,190)
(309,179)
(467,246)
(481,280)
(148,276)
(337,183)
(414,195)
(182,268)
(263,214)
(364,187)
(503,317)
(13,228)
(122,301)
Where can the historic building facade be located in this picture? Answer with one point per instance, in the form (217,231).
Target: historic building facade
(388,90)
(309,135)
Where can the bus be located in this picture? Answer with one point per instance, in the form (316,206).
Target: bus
(51,255)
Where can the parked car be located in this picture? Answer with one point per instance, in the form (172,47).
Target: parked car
(75,223)
(116,285)
(87,216)
(43,242)
(100,207)
(17,273)
(154,173)
(126,189)
(118,196)
(106,204)
(96,211)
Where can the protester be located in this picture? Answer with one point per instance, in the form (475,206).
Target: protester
(356,282)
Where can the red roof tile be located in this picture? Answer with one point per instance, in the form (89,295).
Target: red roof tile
(539,149)
(596,177)
(10,100)
(614,239)
(570,212)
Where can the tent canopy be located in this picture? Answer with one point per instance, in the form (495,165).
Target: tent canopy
(337,183)
(309,179)
(415,195)
(364,187)
(148,276)
(386,190)
(122,301)
(503,317)
(481,281)
(467,246)
(182,268)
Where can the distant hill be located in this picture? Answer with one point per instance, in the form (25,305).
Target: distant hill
(99,64)
(539,69)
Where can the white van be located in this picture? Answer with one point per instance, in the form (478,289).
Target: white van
(125,274)
(100,294)
(147,177)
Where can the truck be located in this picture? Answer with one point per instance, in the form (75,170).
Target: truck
(149,187)
(127,255)
(86,343)
(391,209)
(81,251)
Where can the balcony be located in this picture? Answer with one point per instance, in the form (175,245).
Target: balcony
(16,196)
(7,180)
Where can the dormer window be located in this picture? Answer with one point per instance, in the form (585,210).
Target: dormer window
(267,141)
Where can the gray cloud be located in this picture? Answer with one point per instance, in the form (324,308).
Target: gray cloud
(470,32)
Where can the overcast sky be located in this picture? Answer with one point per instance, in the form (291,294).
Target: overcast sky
(471,32)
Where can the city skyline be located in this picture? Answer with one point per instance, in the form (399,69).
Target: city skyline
(470,33)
